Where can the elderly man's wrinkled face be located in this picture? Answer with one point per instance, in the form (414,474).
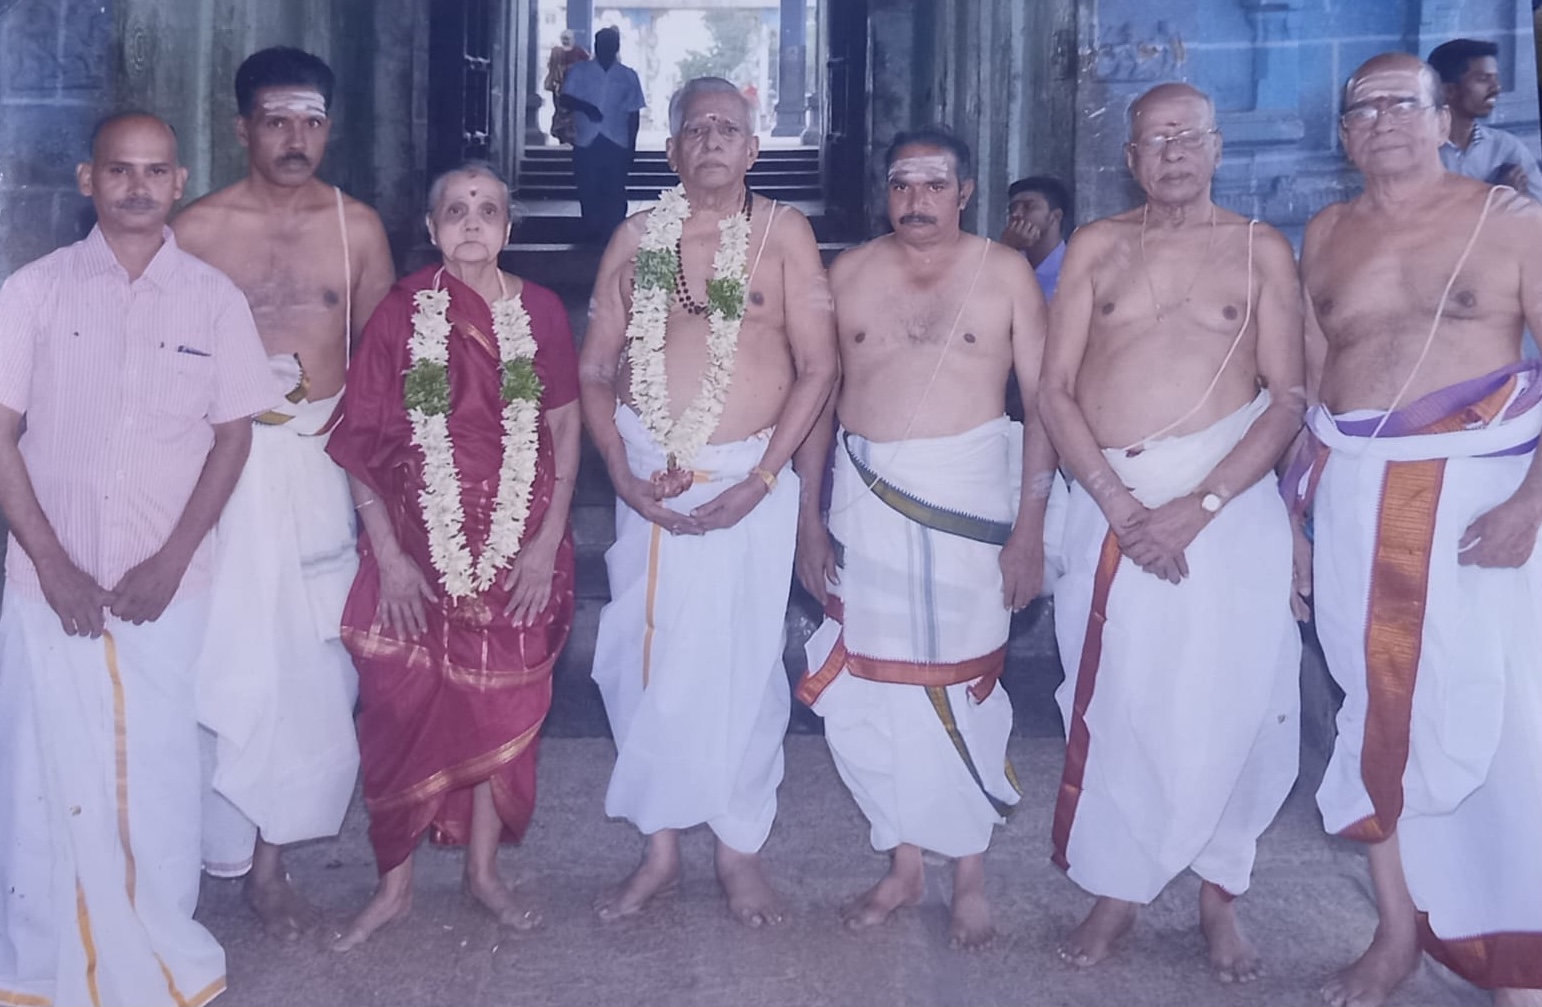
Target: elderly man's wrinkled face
(470,223)
(1390,124)
(715,146)
(926,198)
(1174,147)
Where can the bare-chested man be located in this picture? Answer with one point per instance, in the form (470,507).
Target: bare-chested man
(710,351)
(1172,385)
(1428,582)
(935,550)
(277,689)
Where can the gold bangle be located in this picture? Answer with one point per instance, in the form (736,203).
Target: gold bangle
(769,478)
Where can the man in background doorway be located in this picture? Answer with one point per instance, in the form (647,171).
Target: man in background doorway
(606,96)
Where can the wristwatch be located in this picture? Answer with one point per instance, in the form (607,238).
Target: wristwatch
(1210,503)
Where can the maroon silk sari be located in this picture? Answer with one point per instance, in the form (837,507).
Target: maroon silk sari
(465,702)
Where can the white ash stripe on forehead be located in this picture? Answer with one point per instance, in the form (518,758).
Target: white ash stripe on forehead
(924,165)
(297,101)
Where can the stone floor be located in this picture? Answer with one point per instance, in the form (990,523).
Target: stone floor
(1309,910)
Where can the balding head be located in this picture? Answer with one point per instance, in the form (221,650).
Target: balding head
(1377,71)
(133,178)
(1165,94)
(109,127)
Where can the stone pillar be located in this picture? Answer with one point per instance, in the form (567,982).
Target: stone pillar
(791,100)
(535,72)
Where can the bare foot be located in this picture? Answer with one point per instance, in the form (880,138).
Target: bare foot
(904,885)
(971,928)
(284,914)
(658,874)
(1095,936)
(1370,979)
(392,901)
(512,909)
(751,900)
(1517,998)
(1232,957)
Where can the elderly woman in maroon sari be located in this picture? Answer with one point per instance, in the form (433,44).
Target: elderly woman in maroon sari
(460,429)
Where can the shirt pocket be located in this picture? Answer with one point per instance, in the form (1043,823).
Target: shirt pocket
(180,381)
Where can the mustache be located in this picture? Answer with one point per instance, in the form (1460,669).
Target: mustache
(135,204)
(918,218)
(295,158)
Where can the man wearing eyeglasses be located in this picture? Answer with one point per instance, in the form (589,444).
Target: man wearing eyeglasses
(1427,505)
(1469,75)
(1172,384)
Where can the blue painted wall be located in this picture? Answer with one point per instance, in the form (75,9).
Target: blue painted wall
(1275,69)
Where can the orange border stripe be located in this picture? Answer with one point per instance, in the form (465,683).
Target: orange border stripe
(1077,737)
(83,920)
(120,743)
(1394,636)
(10,999)
(1509,960)
(653,587)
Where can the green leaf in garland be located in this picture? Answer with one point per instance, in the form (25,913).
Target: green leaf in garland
(427,388)
(520,381)
(725,295)
(656,268)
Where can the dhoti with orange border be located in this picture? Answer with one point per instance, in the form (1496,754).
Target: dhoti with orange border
(1440,733)
(1181,701)
(99,796)
(904,668)
(688,656)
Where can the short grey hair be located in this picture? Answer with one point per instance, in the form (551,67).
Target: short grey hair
(698,86)
(474,167)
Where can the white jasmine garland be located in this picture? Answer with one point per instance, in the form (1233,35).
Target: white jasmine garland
(652,296)
(443,512)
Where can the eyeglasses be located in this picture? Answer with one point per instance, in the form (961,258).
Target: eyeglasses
(1188,139)
(1398,111)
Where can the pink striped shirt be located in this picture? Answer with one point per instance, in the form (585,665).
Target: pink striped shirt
(120,382)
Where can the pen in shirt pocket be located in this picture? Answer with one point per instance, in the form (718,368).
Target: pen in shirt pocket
(192,351)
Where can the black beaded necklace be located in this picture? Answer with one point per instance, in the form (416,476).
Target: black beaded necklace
(682,293)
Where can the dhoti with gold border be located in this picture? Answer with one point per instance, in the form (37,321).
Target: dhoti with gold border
(689,653)
(99,796)
(1180,701)
(1440,733)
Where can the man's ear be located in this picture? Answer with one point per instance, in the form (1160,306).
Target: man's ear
(83,178)
(1057,222)
(965,191)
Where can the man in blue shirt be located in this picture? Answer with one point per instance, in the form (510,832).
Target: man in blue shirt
(1038,218)
(1469,71)
(607,97)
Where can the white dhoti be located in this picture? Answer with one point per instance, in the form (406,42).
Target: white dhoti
(276,688)
(99,799)
(1440,733)
(689,652)
(1181,702)
(904,668)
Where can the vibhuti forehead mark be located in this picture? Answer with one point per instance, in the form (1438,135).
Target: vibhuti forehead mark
(924,166)
(1399,82)
(298,101)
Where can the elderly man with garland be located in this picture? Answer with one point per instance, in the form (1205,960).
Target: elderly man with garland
(710,351)
(460,431)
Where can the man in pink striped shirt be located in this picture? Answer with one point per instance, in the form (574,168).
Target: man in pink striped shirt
(129,373)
